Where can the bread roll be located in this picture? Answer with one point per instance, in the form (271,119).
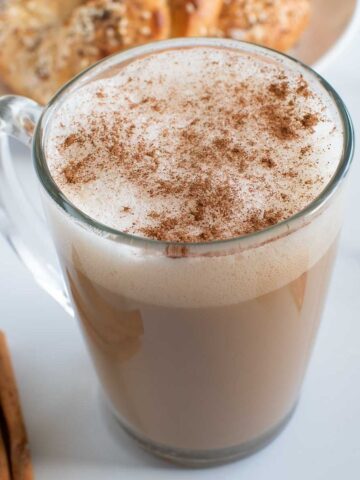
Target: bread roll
(44,43)
(276,24)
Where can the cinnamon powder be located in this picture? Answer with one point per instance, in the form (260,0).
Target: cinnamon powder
(207,203)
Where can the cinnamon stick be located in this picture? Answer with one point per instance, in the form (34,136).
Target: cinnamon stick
(4,463)
(19,453)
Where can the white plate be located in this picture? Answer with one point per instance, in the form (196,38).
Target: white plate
(333,24)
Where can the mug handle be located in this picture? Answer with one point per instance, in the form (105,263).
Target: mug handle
(23,228)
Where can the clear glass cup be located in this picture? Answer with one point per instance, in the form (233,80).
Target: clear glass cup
(201,349)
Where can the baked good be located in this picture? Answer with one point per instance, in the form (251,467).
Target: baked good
(276,24)
(194,18)
(44,43)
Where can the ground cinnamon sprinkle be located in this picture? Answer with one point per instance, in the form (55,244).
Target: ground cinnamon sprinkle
(100,94)
(303,88)
(305,150)
(279,123)
(70,140)
(206,163)
(79,171)
(309,120)
(280,89)
(268,161)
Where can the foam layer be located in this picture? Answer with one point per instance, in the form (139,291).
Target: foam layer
(193,145)
(211,277)
(296,160)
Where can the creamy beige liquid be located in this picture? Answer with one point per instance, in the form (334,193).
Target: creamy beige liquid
(203,378)
(198,347)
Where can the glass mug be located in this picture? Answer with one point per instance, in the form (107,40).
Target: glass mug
(201,349)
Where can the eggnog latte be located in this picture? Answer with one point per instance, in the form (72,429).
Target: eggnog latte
(200,338)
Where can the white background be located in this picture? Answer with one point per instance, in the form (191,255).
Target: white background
(72,438)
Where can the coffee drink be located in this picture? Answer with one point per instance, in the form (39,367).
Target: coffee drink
(200,338)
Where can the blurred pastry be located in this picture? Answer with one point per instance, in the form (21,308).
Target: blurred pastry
(194,18)
(44,43)
(276,24)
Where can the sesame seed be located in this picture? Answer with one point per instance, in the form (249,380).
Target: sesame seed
(145,15)
(146,31)
(190,8)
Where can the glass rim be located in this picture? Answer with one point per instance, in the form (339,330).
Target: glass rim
(316,205)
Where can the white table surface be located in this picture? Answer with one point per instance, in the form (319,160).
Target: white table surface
(70,435)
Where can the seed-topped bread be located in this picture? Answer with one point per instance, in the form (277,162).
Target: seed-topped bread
(44,43)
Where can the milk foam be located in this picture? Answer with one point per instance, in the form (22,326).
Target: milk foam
(225,275)
(165,110)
